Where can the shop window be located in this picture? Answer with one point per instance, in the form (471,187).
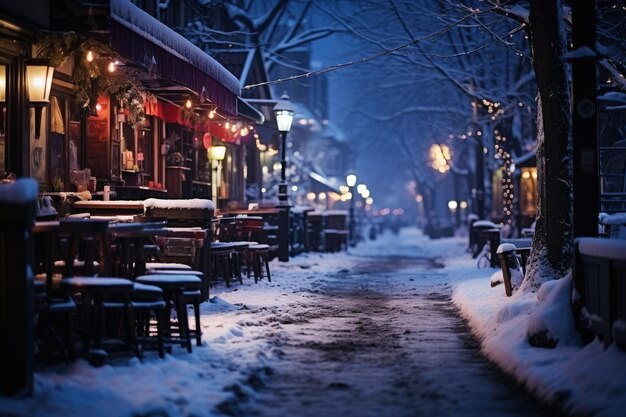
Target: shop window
(145,151)
(528,191)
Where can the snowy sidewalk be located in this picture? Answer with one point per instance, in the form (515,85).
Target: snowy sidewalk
(582,380)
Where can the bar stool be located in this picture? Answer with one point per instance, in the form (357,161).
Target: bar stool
(220,254)
(259,255)
(56,310)
(95,292)
(174,288)
(148,302)
(251,229)
(190,297)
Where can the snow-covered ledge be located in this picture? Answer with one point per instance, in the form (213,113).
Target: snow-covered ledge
(603,248)
(186,204)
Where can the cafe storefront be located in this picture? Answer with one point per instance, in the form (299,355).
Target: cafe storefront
(129,97)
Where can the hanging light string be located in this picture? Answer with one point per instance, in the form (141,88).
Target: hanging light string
(359,61)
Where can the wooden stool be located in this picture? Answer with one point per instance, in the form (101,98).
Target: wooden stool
(221,253)
(174,288)
(147,300)
(259,255)
(95,291)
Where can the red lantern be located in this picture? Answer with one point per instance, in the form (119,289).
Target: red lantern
(206,140)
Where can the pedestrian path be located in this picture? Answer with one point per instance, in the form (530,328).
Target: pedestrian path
(380,337)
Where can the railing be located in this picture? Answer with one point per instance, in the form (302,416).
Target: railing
(599,295)
(297,232)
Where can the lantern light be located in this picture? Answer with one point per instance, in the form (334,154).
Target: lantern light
(283,110)
(218,152)
(3,83)
(351,180)
(39,76)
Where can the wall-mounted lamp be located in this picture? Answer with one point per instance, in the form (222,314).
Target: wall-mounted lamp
(3,84)
(218,153)
(39,76)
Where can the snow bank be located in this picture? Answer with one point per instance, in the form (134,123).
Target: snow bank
(194,203)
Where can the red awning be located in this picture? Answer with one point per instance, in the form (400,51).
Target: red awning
(141,38)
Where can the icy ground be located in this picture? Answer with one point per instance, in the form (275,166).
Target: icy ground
(369,333)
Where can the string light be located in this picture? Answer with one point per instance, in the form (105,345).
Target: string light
(188,104)
(90,56)
(112,67)
(212,114)
(508,194)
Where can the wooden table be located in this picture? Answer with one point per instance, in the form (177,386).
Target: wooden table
(109,208)
(95,291)
(131,237)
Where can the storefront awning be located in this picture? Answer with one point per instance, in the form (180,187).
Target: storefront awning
(321,183)
(249,111)
(141,38)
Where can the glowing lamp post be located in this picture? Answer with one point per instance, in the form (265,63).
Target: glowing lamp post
(283,110)
(351,182)
(38,85)
(217,153)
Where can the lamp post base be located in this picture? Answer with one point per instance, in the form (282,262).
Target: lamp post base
(282,193)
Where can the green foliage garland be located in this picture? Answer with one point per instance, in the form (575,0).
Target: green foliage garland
(92,78)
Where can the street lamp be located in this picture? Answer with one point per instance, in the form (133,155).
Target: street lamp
(351,182)
(283,110)
(217,153)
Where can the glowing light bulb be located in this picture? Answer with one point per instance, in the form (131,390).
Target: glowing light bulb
(188,104)
(212,114)
(90,56)
(112,67)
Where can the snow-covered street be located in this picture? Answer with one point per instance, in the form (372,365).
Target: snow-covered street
(379,337)
(369,333)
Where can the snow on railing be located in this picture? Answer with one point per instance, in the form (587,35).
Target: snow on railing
(602,248)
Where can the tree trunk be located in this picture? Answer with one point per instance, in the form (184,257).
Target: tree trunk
(553,242)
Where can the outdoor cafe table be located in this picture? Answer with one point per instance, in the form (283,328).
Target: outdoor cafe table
(108,208)
(95,291)
(132,236)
